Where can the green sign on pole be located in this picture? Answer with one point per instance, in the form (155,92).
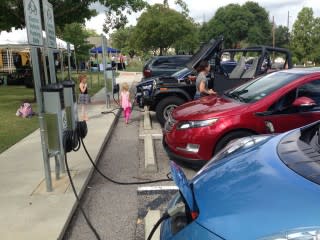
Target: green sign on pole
(49,24)
(33,22)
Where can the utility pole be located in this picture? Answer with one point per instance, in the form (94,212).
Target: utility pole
(273,36)
(288,21)
(273,32)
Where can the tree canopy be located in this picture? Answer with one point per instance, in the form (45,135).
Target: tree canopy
(77,35)
(65,11)
(305,36)
(248,23)
(282,36)
(121,39)
(160,27)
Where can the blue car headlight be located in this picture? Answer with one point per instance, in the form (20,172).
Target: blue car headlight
(195,124)
(240,143)
(234,146)
(311,233)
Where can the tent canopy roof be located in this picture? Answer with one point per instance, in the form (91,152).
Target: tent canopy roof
(18,38)
(109,50)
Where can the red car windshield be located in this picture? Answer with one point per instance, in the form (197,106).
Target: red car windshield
(261,87)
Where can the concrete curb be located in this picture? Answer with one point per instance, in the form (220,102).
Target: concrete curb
(84,186)
(149,156)
(150,220)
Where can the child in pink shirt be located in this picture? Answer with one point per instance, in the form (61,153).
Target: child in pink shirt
(125,101)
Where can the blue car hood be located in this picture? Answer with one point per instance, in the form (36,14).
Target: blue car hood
(182,183)
(253,194)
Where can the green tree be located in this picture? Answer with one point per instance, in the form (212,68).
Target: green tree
(259,31)
(121,39)
(190,42)
(65,11)
(246,24)
(316,39)
(160,27)
(116,16)
(303,39)
(282,36)
(231,22)
(76,34)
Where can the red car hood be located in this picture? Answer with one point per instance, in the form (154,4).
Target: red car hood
(206,107)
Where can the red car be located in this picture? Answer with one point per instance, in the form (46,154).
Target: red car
(273,103)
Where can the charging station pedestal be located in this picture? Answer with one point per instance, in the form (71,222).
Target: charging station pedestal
(55,119)
(70,102)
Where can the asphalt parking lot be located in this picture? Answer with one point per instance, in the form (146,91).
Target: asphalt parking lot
(117,211)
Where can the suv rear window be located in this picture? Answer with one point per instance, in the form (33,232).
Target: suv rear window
(171,62)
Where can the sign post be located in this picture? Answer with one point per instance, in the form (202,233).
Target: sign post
(32,14)
(50,37)
(104,63)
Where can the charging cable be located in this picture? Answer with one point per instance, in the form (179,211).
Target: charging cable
(118,182)
(72,140)
(179,208)
(79,202)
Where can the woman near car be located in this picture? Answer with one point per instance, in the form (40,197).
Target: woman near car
(202,82)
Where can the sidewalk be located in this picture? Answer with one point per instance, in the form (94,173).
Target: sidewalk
(28,211)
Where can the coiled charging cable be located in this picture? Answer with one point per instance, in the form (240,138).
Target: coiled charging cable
(73,141)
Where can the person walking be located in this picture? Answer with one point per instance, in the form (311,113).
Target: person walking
(125,101)
(201,81)
(83,96)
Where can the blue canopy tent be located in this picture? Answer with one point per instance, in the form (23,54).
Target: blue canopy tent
(109,50)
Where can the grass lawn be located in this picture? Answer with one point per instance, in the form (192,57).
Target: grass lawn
(134,66)
(13,128)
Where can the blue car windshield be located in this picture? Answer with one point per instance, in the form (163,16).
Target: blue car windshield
(181,73)
(259,88)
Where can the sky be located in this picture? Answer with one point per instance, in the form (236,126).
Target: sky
(204,10)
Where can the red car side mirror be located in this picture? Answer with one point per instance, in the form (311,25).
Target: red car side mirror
(304,102)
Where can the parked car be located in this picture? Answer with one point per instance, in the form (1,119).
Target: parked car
(164,65)
(230,67)
(273,103)
(261,187)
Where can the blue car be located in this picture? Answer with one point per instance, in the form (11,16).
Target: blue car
(259,187)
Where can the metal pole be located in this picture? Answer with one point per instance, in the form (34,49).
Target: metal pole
(69,61)
(62,64)
(52,69)
(37,85)
(104,60)
(45,65)
(8,60)
(75,59)
(273,37)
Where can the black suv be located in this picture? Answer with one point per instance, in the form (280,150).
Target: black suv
(229,68)
(164,65)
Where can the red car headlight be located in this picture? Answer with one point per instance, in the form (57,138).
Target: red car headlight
(195,124)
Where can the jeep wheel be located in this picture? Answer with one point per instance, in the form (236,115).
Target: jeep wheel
(165,107)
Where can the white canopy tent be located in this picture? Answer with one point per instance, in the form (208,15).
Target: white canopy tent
(17,41)
(18,37)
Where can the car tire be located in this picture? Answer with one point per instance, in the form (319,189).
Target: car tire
(165,107)
(229,137)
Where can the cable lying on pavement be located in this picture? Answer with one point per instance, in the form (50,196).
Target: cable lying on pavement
(78,200)
(72,142)
(118,182)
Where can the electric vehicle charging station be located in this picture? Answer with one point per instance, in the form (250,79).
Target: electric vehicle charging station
(56,123)
(70,102)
